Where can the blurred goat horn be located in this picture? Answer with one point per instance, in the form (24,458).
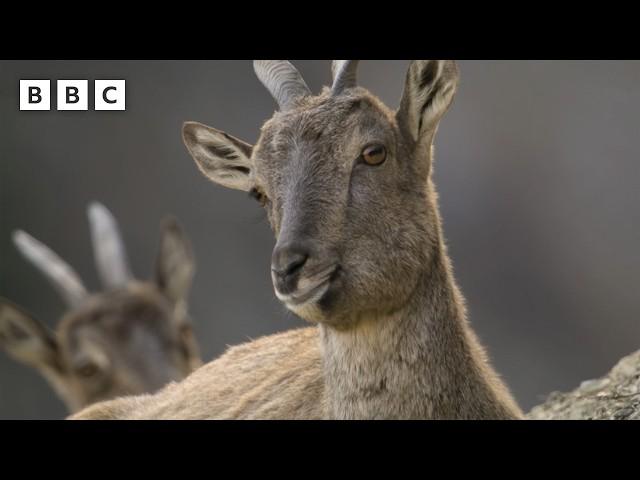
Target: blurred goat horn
(108,247)
(63,278)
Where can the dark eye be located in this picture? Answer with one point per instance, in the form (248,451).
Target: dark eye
(87,370)
(374,154)
(258,195)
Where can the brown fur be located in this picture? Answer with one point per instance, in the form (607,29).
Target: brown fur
(392,339)
(278,376)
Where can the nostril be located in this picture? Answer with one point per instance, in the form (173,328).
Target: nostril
(288,261)
(295,263)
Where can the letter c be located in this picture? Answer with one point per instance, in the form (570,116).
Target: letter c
(104,95)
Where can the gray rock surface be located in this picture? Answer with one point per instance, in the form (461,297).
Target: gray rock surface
(615,396)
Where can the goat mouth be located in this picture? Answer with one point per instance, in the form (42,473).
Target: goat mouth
(310,290)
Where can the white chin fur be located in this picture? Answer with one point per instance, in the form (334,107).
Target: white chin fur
(296,301)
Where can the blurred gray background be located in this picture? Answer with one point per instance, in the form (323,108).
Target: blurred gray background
(537,165)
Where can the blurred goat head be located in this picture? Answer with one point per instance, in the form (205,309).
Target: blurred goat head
(131,338)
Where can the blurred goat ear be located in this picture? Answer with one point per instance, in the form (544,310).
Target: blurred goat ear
(26,339)
(429,89)
(175,265)
(221,157)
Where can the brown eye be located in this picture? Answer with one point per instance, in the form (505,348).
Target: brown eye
(374,154)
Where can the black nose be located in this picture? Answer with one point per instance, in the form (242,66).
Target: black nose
(286,263)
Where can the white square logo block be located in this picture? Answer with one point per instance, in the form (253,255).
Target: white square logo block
(109,95)
(73,94)
(35,94)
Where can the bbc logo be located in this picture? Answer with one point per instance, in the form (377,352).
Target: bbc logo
(72,95)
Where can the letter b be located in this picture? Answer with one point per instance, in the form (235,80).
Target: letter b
(73,94)
(35,95)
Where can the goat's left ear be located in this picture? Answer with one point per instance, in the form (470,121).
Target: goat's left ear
(429,89)
(223,158)
(175,264)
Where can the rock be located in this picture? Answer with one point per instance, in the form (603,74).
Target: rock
(613,397)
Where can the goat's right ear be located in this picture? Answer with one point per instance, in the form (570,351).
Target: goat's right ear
(175,264)
(429,89)
(221,157)
(26,339)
